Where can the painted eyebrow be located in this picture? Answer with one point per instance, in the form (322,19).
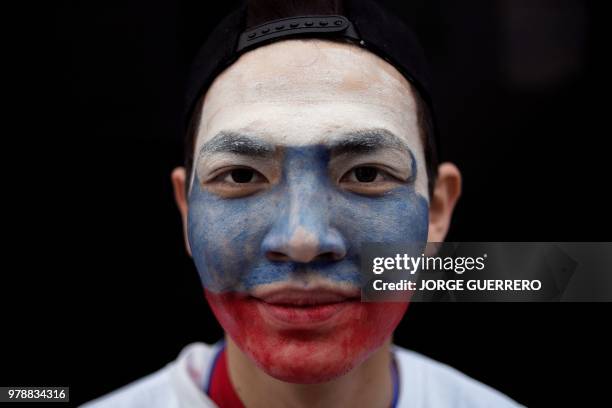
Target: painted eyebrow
(236,143)
(358,141)
(367,141)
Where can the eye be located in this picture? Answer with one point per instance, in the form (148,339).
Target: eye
(366,174)
(369,180)
(237,182)
(242,175)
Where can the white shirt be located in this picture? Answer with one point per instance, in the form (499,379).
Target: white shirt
(423,382)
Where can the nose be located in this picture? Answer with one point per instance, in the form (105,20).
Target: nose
(303,233)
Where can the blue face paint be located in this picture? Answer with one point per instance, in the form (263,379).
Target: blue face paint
(229,237)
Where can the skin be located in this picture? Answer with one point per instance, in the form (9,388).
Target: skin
(299,120)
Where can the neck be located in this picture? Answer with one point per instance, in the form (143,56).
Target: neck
(368,385)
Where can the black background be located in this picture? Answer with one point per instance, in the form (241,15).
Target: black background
(100,291)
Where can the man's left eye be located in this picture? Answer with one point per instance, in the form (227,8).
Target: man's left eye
(365,174)
(369,180)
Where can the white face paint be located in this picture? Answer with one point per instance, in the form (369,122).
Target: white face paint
(306,92)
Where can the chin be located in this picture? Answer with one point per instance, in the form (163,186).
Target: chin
(309,361)
(306,354)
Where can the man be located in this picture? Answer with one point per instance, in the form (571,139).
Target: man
(301,149)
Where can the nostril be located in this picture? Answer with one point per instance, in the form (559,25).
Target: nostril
(328,256)
(302,246)
(276,256)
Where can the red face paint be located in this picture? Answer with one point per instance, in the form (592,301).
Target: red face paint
(306,344)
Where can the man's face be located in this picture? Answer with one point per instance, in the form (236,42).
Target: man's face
(306,150)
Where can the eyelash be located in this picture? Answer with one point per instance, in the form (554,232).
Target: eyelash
(225,175)
(379,173)
(224,182)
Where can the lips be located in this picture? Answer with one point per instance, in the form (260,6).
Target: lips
(290,308)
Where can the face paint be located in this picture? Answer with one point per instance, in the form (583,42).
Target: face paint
(231,239)
(280,265)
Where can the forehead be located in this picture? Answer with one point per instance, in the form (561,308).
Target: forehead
(305,91)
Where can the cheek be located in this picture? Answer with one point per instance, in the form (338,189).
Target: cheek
(307,356)
(225,237)
(402,215)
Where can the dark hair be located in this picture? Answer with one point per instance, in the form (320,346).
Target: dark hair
(261,11)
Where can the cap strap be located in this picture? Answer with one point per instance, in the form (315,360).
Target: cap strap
(295,26)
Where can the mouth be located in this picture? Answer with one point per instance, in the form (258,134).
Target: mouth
(296,308)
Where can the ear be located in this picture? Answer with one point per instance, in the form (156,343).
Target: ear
(180,197)
(445,195)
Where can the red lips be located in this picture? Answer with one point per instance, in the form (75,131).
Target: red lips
(289,308)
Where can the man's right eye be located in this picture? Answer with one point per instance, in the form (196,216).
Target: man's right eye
(237,182)
(240,175)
